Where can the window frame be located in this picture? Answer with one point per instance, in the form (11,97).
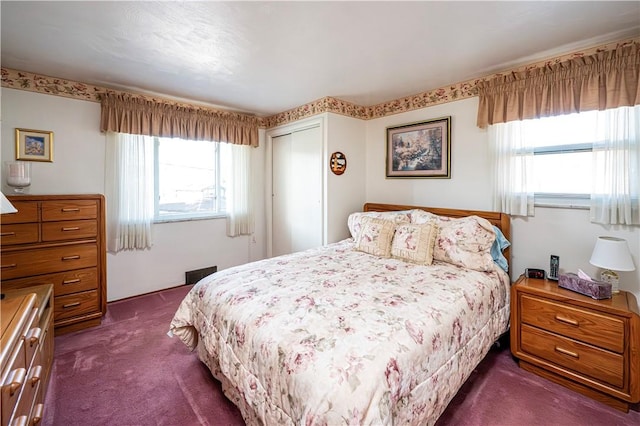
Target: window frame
(185,217)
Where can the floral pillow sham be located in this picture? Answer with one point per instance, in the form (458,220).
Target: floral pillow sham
(464,242)
(375,236)
(354,221)
(414,243)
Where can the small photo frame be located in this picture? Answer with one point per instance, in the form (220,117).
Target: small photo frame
(420,150)
(34,145)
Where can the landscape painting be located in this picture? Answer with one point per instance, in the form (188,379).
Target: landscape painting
(420,149)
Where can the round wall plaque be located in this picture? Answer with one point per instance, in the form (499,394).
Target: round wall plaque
(338,163)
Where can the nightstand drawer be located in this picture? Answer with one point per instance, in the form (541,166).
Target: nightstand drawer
(594,362)
(587,326)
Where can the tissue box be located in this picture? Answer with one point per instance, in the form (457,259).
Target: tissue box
(594,289)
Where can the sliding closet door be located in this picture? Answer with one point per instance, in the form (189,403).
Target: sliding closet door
(297,191)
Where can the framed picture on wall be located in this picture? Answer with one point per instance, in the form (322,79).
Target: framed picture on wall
(420,150)
(34,145)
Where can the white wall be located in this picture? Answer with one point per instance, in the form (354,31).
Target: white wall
(78,167)
(345,192)
(78,146)
(567,233)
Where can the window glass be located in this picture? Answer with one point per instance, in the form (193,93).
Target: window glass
(567,129)
(187,183)
(563,173)
(562,154)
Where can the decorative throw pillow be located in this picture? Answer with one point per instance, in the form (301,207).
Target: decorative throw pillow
(375,236)
(355,219)
(465,242)
(414,243)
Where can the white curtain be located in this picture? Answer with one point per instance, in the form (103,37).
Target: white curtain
(240,214)
(615,197)
(129,187)
(512,169)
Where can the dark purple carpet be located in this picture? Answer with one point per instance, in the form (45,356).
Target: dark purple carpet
(128,372)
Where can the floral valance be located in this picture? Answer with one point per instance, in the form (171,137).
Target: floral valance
(604,80)
(124,113)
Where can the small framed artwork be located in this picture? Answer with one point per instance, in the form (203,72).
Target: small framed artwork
(34,145)
(420,150)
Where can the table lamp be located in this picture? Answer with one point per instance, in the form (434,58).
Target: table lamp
(6,206)
(612,254)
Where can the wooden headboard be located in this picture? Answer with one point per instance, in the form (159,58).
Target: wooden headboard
(501,220)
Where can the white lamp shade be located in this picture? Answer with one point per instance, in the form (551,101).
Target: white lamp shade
(612,253)
(6,206)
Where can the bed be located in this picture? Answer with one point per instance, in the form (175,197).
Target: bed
(381,328)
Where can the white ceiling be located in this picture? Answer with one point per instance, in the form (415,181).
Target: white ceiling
(266,57)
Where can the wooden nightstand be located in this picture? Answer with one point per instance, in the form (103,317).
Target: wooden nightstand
(590,346)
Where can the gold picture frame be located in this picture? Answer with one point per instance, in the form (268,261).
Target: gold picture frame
(34,145)
(420,150)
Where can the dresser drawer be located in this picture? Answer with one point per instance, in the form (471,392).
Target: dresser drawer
(76,304)
(63,282)
(587,326)
(43,261)
(597,363)
(69,210)
(27,212)
(21,233)
(69,230)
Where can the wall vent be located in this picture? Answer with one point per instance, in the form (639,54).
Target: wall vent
(192,277)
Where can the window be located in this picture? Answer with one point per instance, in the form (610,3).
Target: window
(589,160)
(562,161)
(190,179)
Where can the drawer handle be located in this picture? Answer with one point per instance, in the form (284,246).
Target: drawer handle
(71,305)
(70,209)
(35,376)
(75,257)
(33,336)
(38,411)
(73,281)
(70,228)
(566,352)
(7,234)
(15,380)
(11,265)
(567,320)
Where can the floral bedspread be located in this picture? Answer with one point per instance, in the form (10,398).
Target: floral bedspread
(333,336)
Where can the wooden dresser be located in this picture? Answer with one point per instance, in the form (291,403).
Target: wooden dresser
(27,353)
(590,346)
(58,240)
